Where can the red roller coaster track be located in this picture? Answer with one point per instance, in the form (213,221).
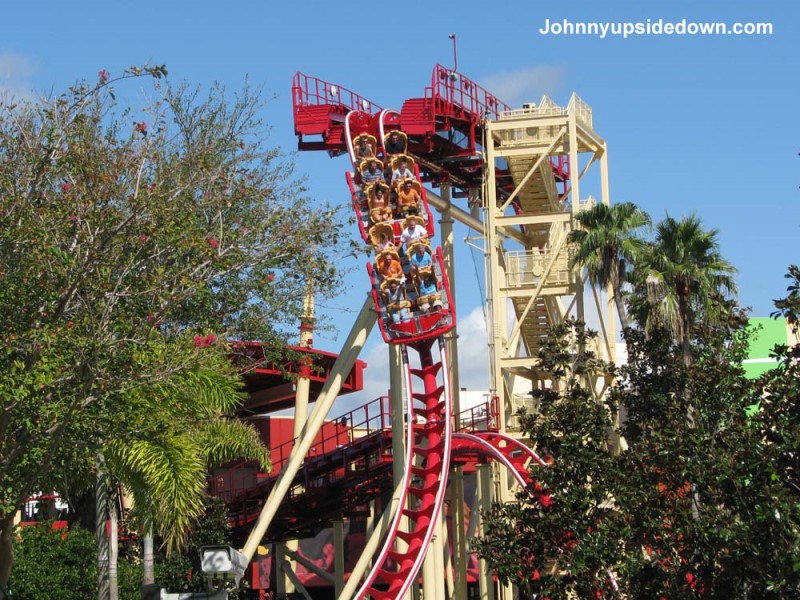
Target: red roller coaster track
(442,132)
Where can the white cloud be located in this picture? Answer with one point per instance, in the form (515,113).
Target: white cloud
(376,378)
(15,72)
(524,85)
(473,351)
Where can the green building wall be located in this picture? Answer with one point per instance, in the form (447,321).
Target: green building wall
(765,334)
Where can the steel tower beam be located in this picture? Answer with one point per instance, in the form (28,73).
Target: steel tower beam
(529,280)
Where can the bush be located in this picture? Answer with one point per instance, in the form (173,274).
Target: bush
(54,563)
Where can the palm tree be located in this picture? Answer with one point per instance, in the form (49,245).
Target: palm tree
(686,280)
(164,470)
(606,243)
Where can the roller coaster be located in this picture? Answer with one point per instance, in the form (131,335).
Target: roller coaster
(521,169)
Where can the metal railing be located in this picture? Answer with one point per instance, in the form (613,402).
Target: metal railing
(581,110)
(457,89)
(311,91)
(482,417)
(526,267)
(338,433)
(521,403)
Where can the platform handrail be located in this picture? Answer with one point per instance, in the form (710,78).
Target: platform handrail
(481,417)
(312,91)
(458,89)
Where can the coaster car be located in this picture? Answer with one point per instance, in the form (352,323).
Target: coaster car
(381,235)
(403,142)
(380,208)
(365,146)
(409,197)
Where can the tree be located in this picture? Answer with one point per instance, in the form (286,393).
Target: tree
(686,278)
(182,572)
(607,243)
(163,465)
(53,563)
(570,431)
(709,508)
(131,240)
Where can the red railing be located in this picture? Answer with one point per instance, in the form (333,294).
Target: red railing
(343,430)
(461,91)
(361,422)
(482,417)
(311,91)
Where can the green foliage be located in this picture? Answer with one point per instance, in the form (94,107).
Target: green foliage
(570,430)
(789,307)
(607,243)
(54,564)
(682,280)
(182,572)
(707,507)
(134,245)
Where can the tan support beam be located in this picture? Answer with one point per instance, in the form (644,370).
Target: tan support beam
(286,568)
(350,351)
(485,581)
(371,547)
(338,559)
(302,560)
(464,217)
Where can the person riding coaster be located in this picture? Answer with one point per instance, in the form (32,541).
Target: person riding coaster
(393,291)
(371,171)
(388,265)
(420,257)
(395,142)
(402,169)
(428,294)
(381,235)
(380,209)
(409,198)
(365,146)
(413,231)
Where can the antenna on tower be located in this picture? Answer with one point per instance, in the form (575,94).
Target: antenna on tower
(452,36)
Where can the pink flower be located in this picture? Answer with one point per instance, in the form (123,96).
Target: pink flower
(73,217)
(65,187)
(204,342)
(143,238)
(213,242)
(102,74)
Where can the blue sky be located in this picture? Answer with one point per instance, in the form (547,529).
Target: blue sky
(693,123)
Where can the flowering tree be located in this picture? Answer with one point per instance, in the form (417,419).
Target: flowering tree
(707,509)
(133,245)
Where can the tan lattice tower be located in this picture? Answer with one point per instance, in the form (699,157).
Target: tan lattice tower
(536,159)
